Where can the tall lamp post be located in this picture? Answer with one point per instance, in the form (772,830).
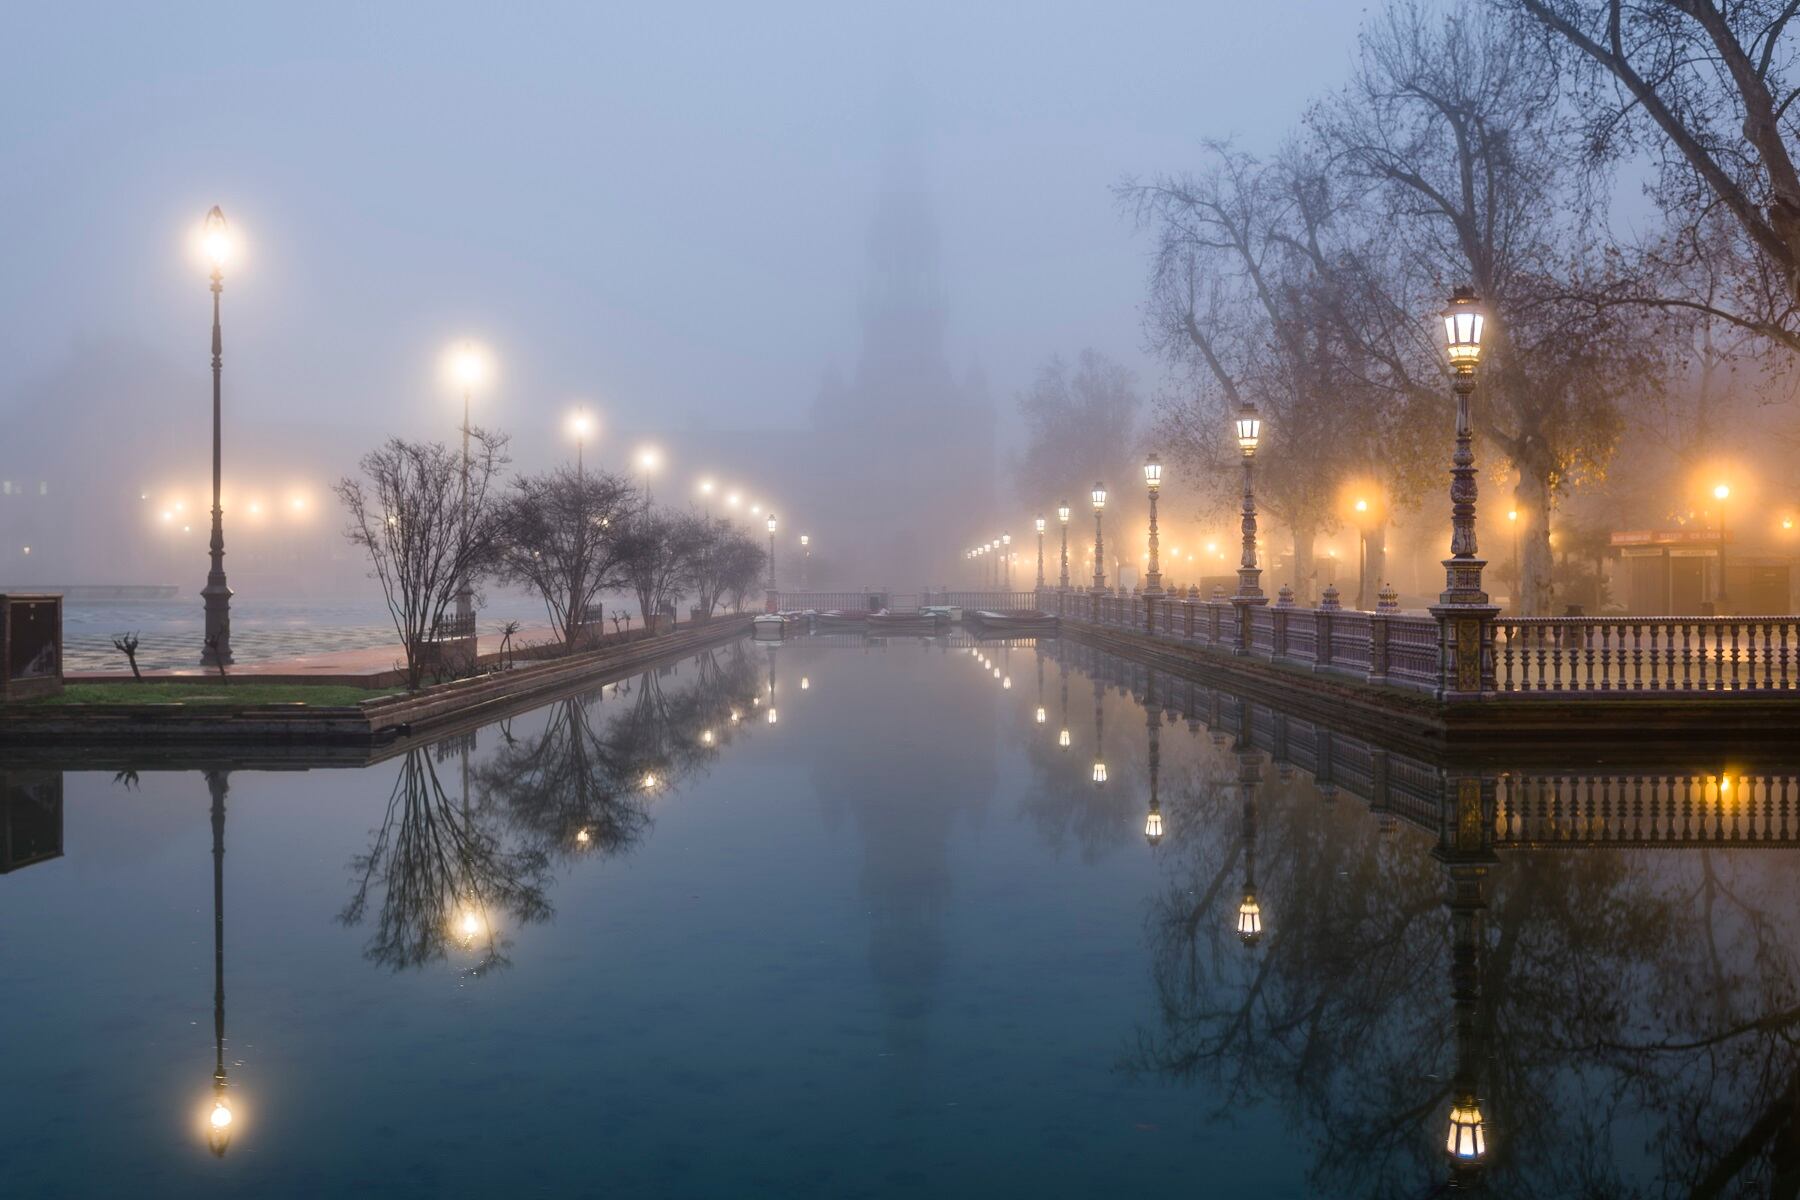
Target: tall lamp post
(1099,497)
(1006,557)
(1248,426)
(1465,618)
(1722,493)
(1362,552)
(216,595)
(1153,481)
(1249,911)
(771,525)
(1040,571)
(1518,584)
(1062,515)
(580,425)
(467,368)
(805,560)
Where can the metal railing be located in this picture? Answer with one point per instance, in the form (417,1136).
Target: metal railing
(1535,655)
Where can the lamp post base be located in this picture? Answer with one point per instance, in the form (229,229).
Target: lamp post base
(217,647)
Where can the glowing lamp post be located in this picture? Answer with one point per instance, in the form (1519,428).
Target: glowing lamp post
(1062,515)
(1153,822)
(1099,771)
(771,525)
(580,425)
(1153,481)
(1248,428)
(467,368)
(805,559)
(216,595)
(1249,910)
(1039,522)
(1099,497)
(1722,493)
(1465,618)
(1006,558)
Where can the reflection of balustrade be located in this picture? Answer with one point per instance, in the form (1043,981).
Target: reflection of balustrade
(1647,810)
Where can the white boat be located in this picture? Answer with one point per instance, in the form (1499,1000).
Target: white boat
(768,625)
(950,612)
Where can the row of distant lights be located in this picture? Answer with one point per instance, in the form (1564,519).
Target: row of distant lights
(177,510)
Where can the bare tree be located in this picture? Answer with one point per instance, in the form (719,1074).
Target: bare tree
(559,534)
(1707,88)
(424,538)
(127,644)
(1453,126)
(1080,427)
(726,558)
(658,554)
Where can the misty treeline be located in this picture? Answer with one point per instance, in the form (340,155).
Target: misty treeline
(1487,145)
(433,522)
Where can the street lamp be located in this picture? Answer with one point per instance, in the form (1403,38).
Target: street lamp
(1039,522)
(215,239)
(1099,497)
(1062,516)
(1006,556)
(1153,823)
(1722,493)
(647,462)
(1249,911)
(580,425)
(1463,327)
(771,525)
(805,559)
(1248,426)
(468,367)
(1153,481)
(1362,551)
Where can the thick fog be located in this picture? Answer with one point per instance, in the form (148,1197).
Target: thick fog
(811,252)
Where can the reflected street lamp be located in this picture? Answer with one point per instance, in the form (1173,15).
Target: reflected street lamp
(218,1121)
(1249,911)
(1099,772)
(216,595)
(1153,822)
(1153,481)
(1099,498)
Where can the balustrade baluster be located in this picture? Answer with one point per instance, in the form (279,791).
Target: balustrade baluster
(1586,653)
(1735,685)
(1637,657)
(1768,654)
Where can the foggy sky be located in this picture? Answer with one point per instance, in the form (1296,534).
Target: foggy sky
(659,213)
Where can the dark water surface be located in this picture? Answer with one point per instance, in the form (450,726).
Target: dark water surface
(897,943)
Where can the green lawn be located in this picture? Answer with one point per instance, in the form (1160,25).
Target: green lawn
(237,692)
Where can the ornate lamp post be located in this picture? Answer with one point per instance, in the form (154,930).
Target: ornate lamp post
(1099,496)
(1465,850)
(1040,571)
(771,524)
(1153,481)
(1062,515)
(216,240)
(1465,618)
(1248,427)
(1362,552)
(1006,557)
(805,560)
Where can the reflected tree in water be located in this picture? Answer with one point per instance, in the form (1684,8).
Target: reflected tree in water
(1626,1018)
(442,878)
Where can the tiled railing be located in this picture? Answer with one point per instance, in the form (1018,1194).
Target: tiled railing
(1580,655)
(1395,648)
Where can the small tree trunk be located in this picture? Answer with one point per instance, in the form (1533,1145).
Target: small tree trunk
(1537,592)
(1303,564)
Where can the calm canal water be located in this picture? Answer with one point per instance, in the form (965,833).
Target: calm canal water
(896,941)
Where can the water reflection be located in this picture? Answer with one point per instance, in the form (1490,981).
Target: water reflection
(1492,983)
(440,874)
